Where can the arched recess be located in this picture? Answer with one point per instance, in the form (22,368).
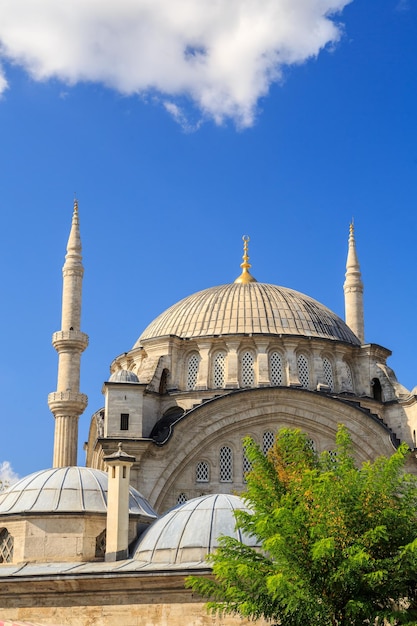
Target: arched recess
(163,383)
(217,421)
(376,389)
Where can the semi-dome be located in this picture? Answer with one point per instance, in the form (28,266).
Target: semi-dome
(66,490)
(191,530)
(249,308)
(123,376)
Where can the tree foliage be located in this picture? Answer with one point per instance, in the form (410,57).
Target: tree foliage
(338,544)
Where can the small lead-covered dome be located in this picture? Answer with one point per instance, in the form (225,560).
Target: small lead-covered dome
(249,309)
(66,490)
(123,376)
(190,531)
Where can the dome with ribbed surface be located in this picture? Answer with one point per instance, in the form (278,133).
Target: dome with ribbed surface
(66,490)
(123,376)
(249,309)
(191,530)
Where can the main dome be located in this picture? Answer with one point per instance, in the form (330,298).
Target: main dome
(248,309)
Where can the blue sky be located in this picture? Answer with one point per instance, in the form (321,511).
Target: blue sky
(284,138)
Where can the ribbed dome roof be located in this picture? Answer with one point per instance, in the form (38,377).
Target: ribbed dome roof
(66,490)
(253,308)
(191,531)
(123,376)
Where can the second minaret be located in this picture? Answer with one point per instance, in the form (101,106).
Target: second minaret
(353,289)
(67,403)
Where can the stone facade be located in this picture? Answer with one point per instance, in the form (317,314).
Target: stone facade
(241,359)
(111,600)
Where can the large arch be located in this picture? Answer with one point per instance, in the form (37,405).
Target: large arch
(233,416)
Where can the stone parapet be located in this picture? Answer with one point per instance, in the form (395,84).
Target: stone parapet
(75,339)
(67,402)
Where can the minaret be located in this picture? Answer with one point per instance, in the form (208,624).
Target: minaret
(353,289)
(245,277)
(67,403)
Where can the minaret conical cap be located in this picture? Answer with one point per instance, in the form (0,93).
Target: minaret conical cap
(352,263)
(74,240)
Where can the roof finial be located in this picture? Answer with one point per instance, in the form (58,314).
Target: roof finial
(75,211)
(245,276)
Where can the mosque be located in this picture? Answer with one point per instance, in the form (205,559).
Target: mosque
(112,542)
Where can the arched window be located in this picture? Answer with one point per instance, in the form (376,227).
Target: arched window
(247,373)
(275,369)
(101,545)
(348,378)
(226,465)
(246,465)
(192,371)
(182,498)
(202,472)
(332,456)
(219,361)
(311,445)
(328,372)
(303,373)
(268,439)
(6,546)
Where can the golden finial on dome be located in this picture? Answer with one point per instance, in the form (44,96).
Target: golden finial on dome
(246,276)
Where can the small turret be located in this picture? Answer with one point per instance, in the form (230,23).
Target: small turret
(353,288)
(67,403)
(117,533)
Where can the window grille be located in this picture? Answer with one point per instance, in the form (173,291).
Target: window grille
(218,369)
(182,498)
(124,421)
(226,465)
(202,472)
(311,444)
(101,545)
(303,373)
(349,377)
(246,466)
(333,456)
(328,372)
(6,546)
(275,369)
(192,372)
(268,440)
(247,371)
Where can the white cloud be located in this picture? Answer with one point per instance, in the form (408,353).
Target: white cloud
(223,54)
(7,475)
(3,81)
(181,117)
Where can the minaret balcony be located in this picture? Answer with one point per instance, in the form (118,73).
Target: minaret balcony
(69,339)
(67,402)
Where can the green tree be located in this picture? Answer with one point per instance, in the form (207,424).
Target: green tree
(338,544)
